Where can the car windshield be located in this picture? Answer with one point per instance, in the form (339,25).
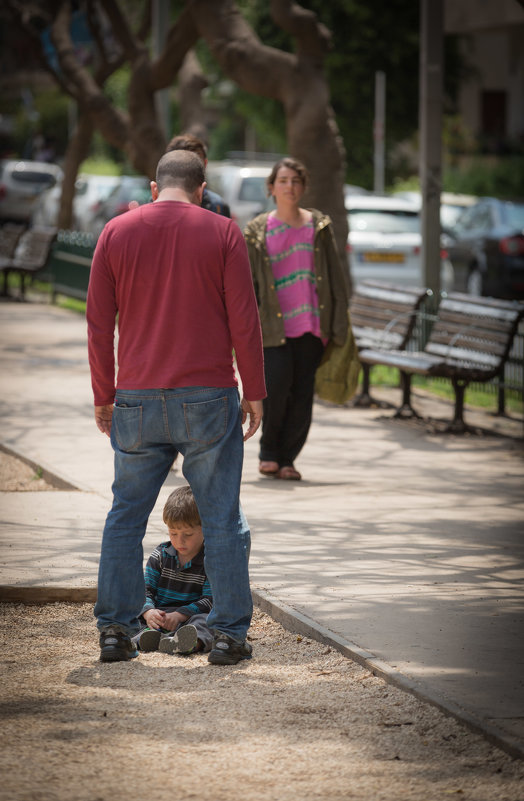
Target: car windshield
(449,214)
(253,189)
(515,215)
(29,177)
(384,221)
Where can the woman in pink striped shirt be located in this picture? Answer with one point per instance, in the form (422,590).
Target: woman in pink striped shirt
(301,290)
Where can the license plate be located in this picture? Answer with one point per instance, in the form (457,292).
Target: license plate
(390,258)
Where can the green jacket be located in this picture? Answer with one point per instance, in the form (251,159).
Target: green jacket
(330,277)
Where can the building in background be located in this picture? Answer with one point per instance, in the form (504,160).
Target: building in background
(491,96)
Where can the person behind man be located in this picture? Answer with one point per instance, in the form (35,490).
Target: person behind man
(178,594)
(210,200)
(302,296)
(179,279)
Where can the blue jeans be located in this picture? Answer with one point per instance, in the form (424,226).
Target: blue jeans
(149,428)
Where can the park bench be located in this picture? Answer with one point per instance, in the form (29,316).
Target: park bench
(382,317)
(10,234)
(470,341)
(31,255)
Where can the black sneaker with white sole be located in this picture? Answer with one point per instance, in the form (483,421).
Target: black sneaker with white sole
(183,641)
(227,651)
(115,646)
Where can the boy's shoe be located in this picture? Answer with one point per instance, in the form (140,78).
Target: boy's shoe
(183,641)
(227,651)
(148,640)
(115,646)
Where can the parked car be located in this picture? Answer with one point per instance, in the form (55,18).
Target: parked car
(351,189)
(384,241)
(131,191)
(242,185)
(451,205)
(90,192)
(21,185)
(486,248)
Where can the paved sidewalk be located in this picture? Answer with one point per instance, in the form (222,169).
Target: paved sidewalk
(401,547)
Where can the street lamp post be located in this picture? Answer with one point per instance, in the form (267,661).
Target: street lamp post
(431,41)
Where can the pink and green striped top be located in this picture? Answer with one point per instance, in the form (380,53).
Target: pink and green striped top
(291,253)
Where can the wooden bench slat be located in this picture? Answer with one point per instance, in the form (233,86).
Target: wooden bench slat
(382,316)
(495,345)
(458,355)
(31,254)
(470,341)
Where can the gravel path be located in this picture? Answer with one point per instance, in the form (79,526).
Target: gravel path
(298,721)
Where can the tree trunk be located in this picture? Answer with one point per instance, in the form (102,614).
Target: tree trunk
(297,81)
(191,83)
(77,151)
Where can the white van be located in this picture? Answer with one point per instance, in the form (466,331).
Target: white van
(242,185)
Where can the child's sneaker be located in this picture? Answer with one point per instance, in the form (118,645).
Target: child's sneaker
(115,646)
(227,651)
(183,641)
(148,640)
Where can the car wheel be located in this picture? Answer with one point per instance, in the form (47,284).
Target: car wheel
(474,285)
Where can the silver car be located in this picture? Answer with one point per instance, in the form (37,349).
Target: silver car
(21,186)
(384,242)
(90,192)
(242,185)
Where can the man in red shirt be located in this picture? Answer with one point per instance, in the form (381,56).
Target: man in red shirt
(179,279)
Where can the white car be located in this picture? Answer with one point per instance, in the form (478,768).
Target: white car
(384,242)
(90,192)
(22,183)
(242,185)
(451,205)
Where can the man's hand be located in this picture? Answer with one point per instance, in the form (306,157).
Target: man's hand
(254,410)
(103,417)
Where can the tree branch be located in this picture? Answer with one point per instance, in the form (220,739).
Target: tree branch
(112,123)
(253,66)
(313,39)
(181,37)
(121,29)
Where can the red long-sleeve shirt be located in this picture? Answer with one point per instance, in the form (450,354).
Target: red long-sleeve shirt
(179,279)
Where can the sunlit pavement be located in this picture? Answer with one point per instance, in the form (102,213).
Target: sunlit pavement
(400,546)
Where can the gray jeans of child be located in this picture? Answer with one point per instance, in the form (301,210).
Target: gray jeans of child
(204,633)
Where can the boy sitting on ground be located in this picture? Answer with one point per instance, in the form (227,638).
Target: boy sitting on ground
(178,594)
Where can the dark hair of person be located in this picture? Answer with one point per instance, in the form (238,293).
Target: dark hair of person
(180,169)
(290,163)
(181,507)
(188,142)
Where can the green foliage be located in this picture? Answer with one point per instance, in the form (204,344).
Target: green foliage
(504,178)
(481,395)
(50,119)
(98,165)
(483,176)
(117,85)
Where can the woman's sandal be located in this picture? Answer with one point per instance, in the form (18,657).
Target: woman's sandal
(288,473)
(268,468)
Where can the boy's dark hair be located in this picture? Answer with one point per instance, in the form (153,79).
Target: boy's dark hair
(187,142)
(292,164)
(180,169)
(181,507)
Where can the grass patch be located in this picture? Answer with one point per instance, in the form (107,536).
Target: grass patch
(486,399)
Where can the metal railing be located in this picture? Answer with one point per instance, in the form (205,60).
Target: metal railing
(70,264)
